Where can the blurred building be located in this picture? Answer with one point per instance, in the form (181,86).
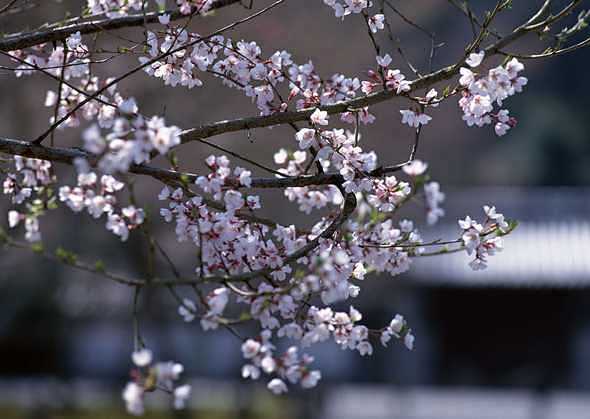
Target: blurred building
(521,323)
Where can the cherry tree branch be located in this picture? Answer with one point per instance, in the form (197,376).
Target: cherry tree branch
(57,32)
(150,62)
(67,155)
(348,208)
(7,6)
(446,73)
(281,118)
(96,268)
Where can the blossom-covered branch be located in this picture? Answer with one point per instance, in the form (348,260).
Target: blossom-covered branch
(61,30)
(283,278)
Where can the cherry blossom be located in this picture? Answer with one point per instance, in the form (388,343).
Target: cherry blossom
(483,240)
(142,357)
(148,376)
(415,168)
(384,61)
(481,94)
(97,196)
(414,119)
(319,117)
(376,22)
(475,59)
(434,197)
(133,396)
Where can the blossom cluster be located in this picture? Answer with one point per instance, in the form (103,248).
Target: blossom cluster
(97,196)
(69,62)
(318,325)
(179,56)
(227,242)
(344,8)
(385,77)
(216,301)
(260,355)
(149,376)
(399,329)
(29,184)
(186,7)
(483,239)
(307,197)
(433,197)
(383,247)
(113,8)
(131,139)
(481,93)
(388,193)
(231,246)
(337,150)
(120,8)
(72,65)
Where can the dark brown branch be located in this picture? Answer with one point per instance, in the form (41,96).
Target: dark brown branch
(533,24)
(217,128)
(57,32)
(67,156)
(7,6)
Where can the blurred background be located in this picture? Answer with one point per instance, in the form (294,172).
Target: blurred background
(510,342)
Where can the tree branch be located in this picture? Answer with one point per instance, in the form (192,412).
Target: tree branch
(68,155)
(56,32)
(7,6)
(221,127)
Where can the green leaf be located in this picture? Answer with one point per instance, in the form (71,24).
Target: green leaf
(65,256)
(37,247)
(99,266)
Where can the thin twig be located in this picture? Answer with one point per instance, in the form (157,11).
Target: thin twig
(7,6)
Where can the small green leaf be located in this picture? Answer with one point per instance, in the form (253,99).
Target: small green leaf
(99,266)
(65,256)
(37,247)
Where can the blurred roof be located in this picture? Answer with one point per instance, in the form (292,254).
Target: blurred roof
(550,247)
(376,402)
